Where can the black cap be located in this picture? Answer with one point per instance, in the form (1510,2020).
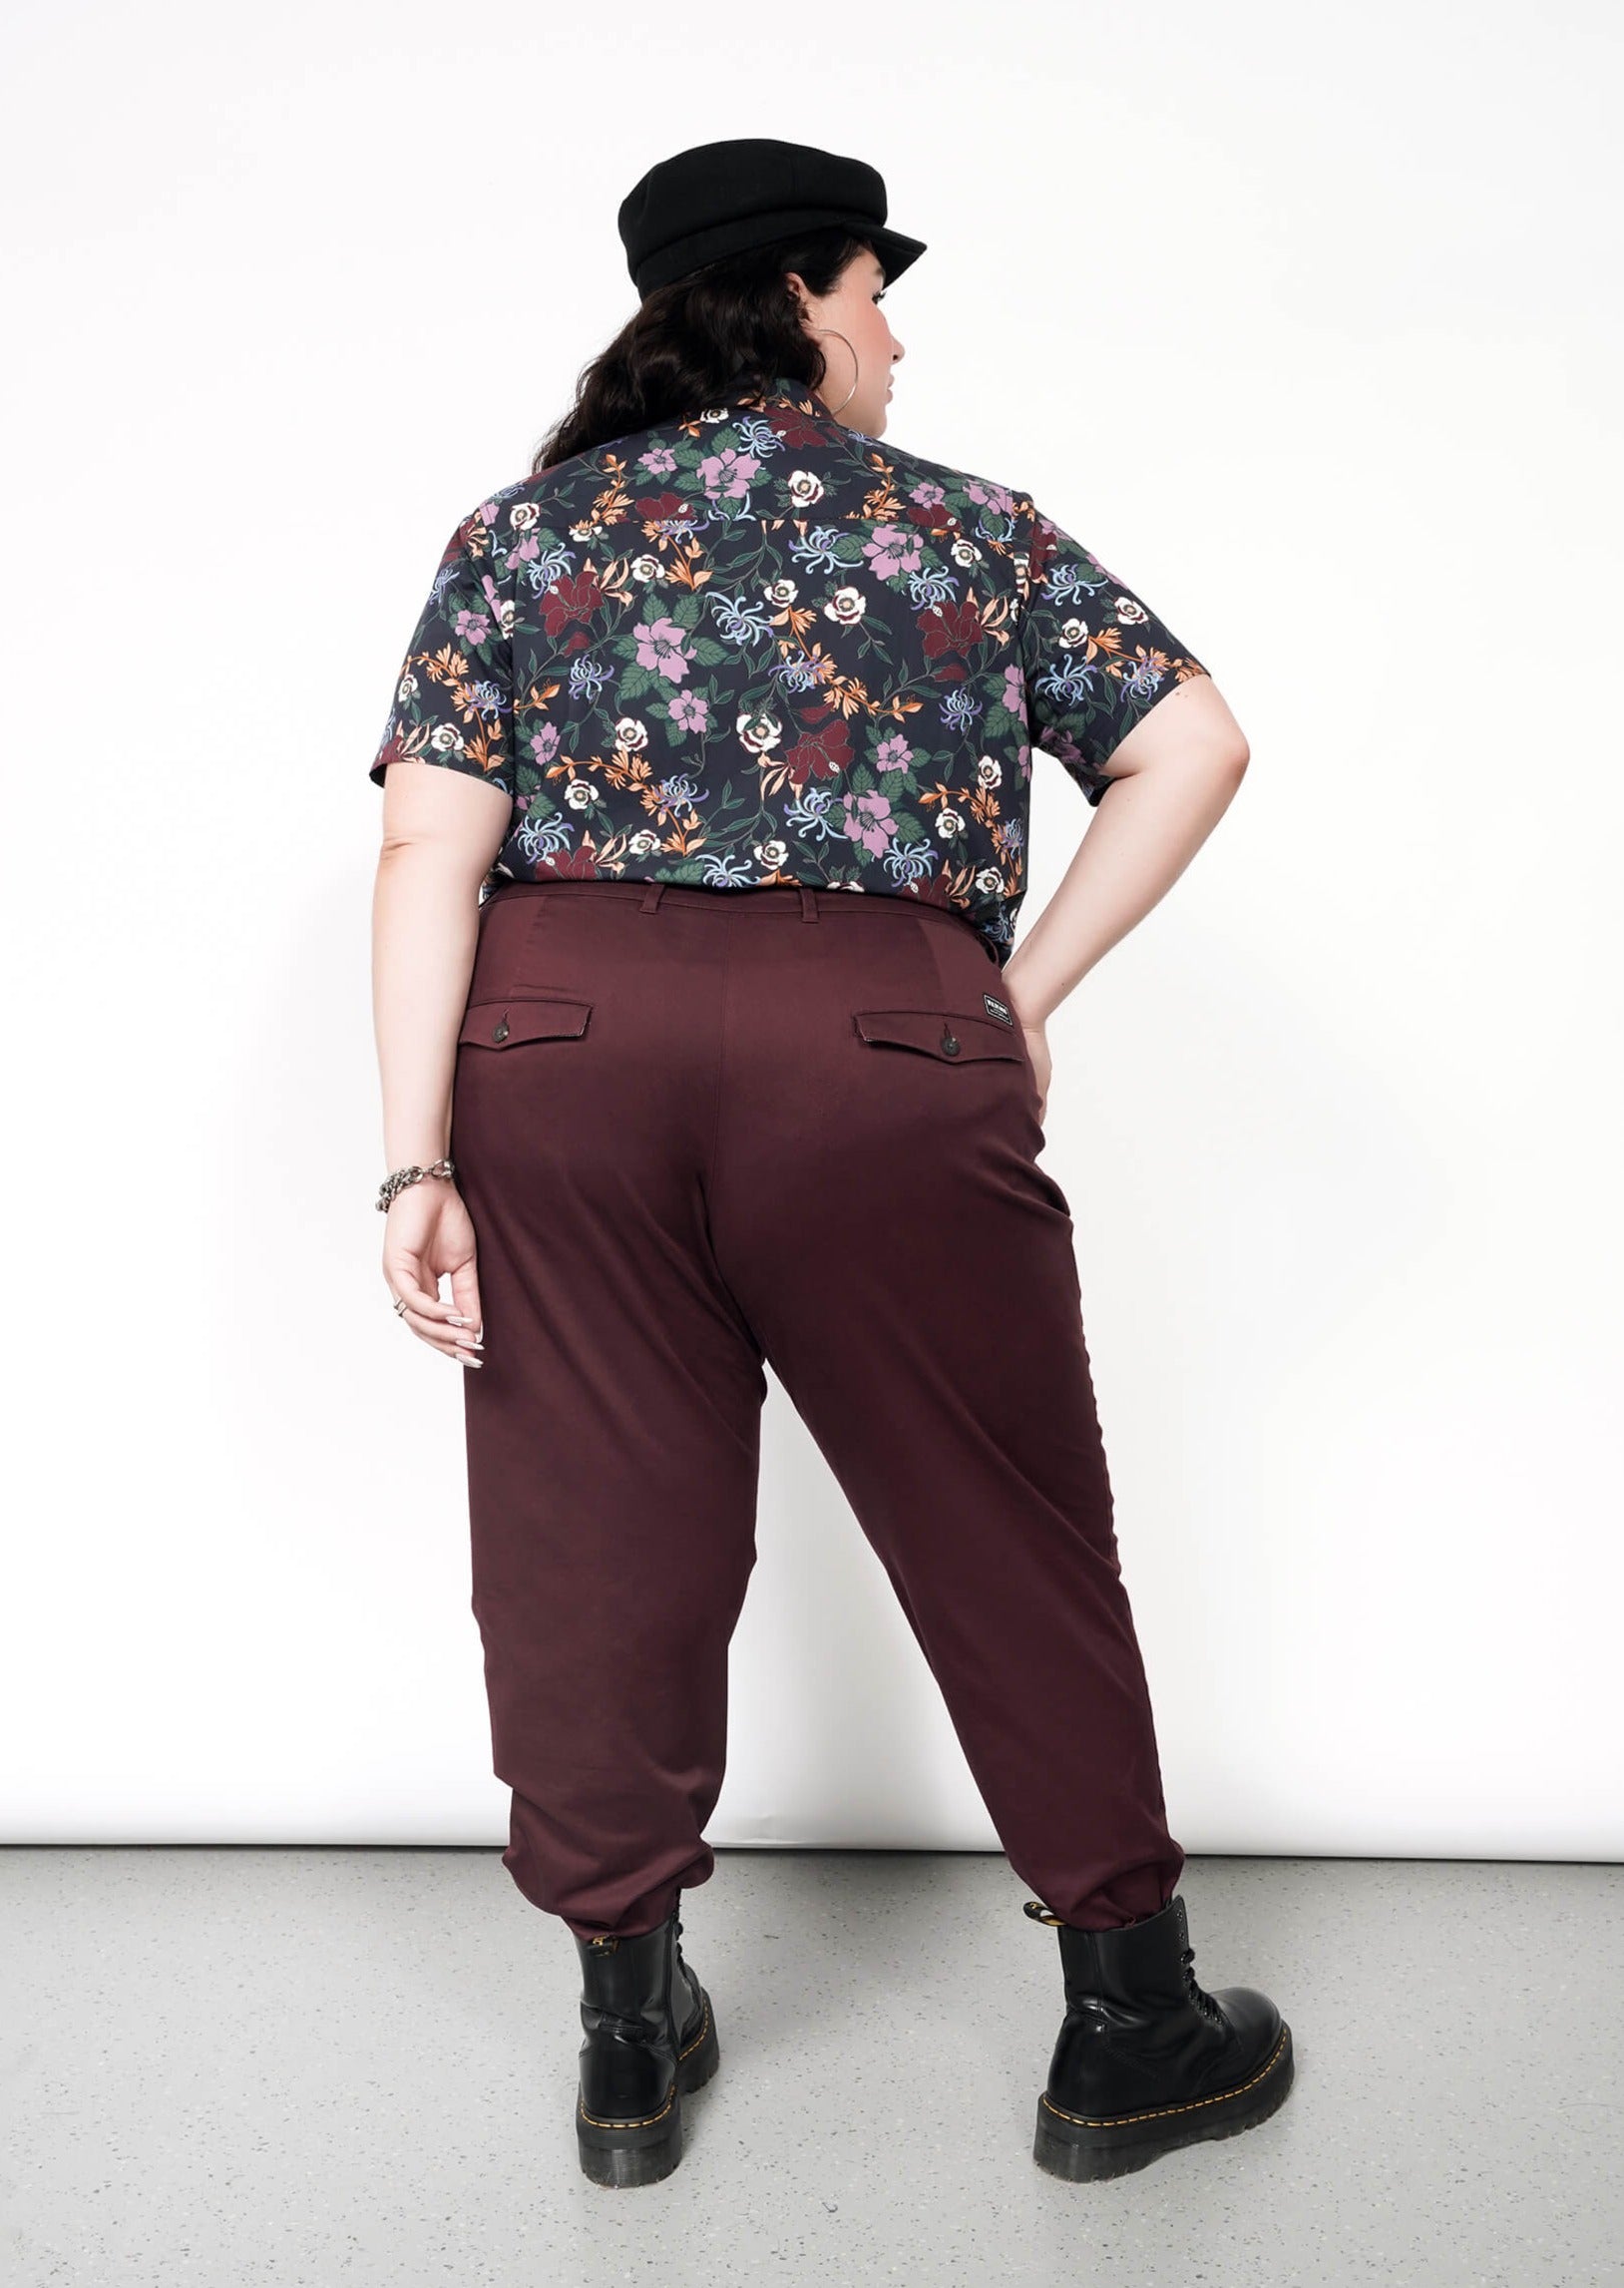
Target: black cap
(721,198)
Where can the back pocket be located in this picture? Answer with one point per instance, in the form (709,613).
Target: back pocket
(953,1035)
(508,1024)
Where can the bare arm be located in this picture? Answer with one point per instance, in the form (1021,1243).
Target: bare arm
(1178,771)
(441,830)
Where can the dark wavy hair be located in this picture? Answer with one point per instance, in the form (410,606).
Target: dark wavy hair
(690,344)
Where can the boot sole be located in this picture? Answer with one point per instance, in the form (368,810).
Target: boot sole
(641,2152)
(1083,2148)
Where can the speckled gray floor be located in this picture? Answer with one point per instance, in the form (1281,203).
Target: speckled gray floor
(244,2067)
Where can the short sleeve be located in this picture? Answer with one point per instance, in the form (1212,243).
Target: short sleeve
(1095,659)
(453,700)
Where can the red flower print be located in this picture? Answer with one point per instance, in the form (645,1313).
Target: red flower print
(663,508)
(823,750)
(931,516)
(571,598)
(1041,549)
(570,865)
(797,428)
(950,627)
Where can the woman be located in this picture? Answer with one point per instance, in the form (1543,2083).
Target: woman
(722,667)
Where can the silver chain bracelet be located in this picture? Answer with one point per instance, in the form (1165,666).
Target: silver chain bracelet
(405,1175)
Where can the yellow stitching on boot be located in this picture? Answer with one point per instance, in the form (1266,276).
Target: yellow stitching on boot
(650,2118)
(704,2021)
(1116,2121)
(646,2122)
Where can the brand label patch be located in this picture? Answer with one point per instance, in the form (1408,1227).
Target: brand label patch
(999,1009)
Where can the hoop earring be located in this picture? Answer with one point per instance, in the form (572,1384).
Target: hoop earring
(856,368)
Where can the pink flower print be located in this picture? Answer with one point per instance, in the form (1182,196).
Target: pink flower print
(472,627)
(997,497)
(891,551)
(660,646)
(727,474)
(893,754)
(1014,690)
(524,550)
(659,461)
(929,495)
(869,822)
(544,744)
(690,713)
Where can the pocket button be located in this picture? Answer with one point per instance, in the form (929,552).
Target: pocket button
(501,1032)
(950,1042)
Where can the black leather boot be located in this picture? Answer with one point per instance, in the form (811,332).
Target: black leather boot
(649,2038)
(1146,2058)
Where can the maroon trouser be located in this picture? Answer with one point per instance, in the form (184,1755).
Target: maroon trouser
(694,1132)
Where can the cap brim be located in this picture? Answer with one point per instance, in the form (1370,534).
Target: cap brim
(894,248)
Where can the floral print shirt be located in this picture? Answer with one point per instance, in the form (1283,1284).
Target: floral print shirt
(758,647)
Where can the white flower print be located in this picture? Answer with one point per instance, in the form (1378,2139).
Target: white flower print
(761,733)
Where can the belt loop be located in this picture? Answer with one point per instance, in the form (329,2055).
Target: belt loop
(652,896)
(809,902)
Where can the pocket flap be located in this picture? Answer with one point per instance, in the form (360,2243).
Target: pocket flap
(947,1034)
(501,1024)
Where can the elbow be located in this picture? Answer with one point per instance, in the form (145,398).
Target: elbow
(399,844)
(437,862)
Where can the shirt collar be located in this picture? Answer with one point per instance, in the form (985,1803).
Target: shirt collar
(800,394)
(778,389)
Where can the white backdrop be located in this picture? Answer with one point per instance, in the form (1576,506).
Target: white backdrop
(1308,327)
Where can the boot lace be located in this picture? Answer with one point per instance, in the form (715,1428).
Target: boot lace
(1197,1993)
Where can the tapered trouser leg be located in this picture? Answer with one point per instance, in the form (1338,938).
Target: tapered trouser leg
(613,1431)
(925,1319)
(759,1145)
